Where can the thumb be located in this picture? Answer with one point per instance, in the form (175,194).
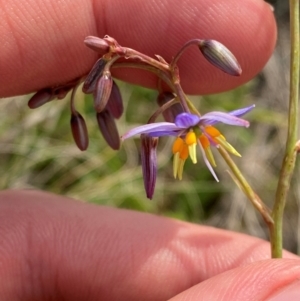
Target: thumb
(272,280)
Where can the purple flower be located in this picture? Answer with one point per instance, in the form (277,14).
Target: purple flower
(191,130)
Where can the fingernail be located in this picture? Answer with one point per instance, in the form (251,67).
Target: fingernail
(271,6)
(289,293)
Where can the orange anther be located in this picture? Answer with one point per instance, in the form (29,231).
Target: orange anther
(177,145)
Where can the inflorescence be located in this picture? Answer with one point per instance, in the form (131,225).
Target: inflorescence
(182,119)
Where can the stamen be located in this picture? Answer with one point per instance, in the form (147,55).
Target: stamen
(180,169)
(212,131)
(210,156)
(192,153)
(175,164)
(204,141)
(184,153)
(177,145)
(190,140)
(228,147)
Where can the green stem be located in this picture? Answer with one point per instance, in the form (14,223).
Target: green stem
(289,160)
(244,185)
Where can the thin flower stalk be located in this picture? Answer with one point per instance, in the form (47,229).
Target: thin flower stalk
(247,189)
(289,159)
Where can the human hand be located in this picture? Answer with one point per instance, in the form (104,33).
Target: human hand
(42,41)
(53,248)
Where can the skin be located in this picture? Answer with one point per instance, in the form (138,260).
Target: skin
(55,248)
(42,40)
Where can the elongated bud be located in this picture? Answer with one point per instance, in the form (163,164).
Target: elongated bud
(170,113)
(79,131)
(96,44)
(102,91)
(92,78)
(40,98)
(115,102)
(149,164)
(62,92)
(218,55)
(108,128)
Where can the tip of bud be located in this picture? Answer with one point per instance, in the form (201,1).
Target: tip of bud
(96,44)
(40,98)
(102,91)
(115,102)
(220,56)
(79,131)
(108,129)
(92,78)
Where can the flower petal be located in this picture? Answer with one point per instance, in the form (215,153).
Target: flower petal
(149,163)
(208,165)
(186,120)
(164,133)
(241,112)
(215,117)
(160,127)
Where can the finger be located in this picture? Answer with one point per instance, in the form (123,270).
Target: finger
(43,40)
(263,280)
(55,247)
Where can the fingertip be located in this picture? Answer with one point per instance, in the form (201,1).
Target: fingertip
(49,50)
(256,281)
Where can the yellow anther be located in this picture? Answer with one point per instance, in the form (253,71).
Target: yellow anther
(177,145)
(190,138)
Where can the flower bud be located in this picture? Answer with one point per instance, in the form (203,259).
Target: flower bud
(91,80)
(218,55)
(108,128)
(115,102)
(79,131)
(96,44)
(170,113)
(102,91)
(62,92)
(149,164)
(40,98)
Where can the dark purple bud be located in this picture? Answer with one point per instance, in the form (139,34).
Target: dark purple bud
(218,55)
(40,98)
(79,131)
(108,128)
(170,113)
(96,44)
(92,78)
(62,92)
(149,164)
(102,91)
(115,102)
